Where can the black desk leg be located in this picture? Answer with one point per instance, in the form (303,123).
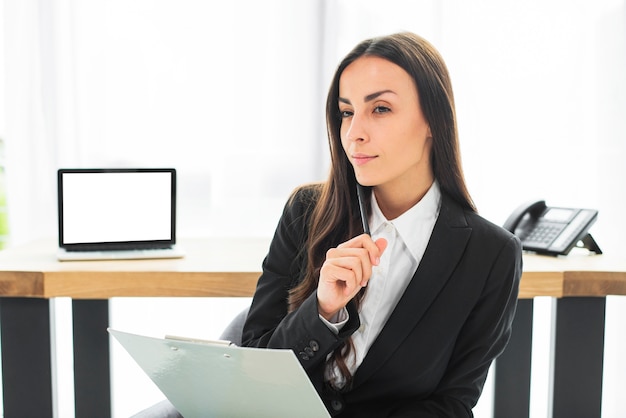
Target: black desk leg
(26,360)
(512,371)
(92,378)
(578,357)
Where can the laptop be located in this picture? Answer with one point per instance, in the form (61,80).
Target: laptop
(109,214)
(217,379)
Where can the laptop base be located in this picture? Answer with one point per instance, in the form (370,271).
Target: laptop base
(158,253)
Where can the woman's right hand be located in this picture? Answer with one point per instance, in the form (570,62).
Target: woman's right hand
(346,270)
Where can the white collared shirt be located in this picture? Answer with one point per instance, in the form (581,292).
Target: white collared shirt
(407,237)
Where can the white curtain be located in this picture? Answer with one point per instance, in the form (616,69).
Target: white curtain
(226,92)
(232,94)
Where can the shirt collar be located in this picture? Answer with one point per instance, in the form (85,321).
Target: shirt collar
(423,214)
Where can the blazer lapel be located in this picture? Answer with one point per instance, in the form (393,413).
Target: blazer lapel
(444,250)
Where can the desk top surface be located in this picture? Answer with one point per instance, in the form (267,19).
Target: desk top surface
(218,266)
(230,267)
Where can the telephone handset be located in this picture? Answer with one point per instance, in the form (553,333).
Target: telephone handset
(551,230)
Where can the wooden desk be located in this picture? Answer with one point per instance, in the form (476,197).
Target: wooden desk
(30,276)
(577,275)
(579,283)
(218,267)
(221,267)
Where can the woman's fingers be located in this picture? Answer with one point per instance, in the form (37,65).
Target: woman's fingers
(346,270)
(365,242)
(356,260)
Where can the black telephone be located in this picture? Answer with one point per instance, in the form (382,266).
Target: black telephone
(551,230)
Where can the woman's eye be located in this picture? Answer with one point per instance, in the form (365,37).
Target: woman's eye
(381,109)
(345,114)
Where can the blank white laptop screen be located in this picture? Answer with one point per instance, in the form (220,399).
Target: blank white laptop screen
(116,209)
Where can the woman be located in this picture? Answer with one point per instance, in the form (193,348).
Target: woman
(405,322)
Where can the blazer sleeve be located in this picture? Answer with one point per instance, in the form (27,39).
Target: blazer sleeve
(483,337)
(269,324)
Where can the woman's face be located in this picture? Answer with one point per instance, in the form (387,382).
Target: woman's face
(383,131)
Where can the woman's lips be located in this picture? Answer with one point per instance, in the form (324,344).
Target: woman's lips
(360,159)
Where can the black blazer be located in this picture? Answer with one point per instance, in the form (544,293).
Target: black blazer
(432,357)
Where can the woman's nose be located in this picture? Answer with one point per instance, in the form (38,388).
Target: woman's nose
(357,130)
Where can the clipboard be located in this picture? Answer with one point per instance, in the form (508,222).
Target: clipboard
(217,379)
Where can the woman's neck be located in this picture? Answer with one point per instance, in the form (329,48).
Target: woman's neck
(394,201)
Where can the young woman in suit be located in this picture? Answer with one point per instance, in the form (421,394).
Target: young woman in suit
(406,320)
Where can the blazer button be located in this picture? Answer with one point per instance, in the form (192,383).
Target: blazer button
(309,352)
(303,355)
(315,346)
(336,404)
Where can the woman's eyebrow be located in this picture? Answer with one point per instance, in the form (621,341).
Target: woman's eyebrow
(372,96)
(367,98)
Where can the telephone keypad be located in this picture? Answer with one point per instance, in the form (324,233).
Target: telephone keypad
(544,233)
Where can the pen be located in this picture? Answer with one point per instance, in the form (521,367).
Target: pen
(359,193)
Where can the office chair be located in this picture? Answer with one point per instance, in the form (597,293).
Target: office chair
(233,331)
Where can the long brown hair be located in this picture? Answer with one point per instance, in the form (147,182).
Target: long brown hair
(336,217)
